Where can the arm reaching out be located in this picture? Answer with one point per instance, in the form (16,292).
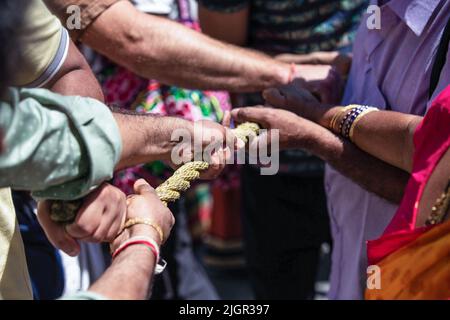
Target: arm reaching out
(156,47)
(386,135)
(295,132)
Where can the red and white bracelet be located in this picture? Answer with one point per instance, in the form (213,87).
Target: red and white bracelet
(146,241)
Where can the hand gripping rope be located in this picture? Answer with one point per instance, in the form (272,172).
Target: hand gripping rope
(169,191)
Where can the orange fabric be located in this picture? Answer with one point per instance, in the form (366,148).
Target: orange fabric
(420,270)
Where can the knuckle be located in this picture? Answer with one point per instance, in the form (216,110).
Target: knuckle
(99,237)
(120,196)
(59,243)
(85,228)
(110,236)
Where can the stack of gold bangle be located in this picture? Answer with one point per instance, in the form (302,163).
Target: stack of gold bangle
(334,121)
(344,121)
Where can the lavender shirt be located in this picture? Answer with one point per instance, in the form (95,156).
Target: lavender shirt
(391,70)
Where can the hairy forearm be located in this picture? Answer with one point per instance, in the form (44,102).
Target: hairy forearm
(147,138)
(155,47)
(129,276)
(370,173)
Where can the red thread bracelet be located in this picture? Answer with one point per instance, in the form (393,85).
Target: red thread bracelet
(130,243)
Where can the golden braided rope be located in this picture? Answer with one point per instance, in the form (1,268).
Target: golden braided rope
(169,191)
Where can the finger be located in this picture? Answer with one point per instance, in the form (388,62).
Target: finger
(227,155)
(251,114)
(226,121)
(118,211)
(214,167)
(274,97)
(232,141)
(55,232)
(296,58)
(328,86)
(143,188)
(220,162)
(297,83)
(223,156)
(117,224)
(88,218)
(324,57)
(110,225)
(101,231)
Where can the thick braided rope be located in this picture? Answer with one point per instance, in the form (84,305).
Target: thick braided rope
(168,191)
(180,181)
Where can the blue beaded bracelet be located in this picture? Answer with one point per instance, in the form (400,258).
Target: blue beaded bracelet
(347,122)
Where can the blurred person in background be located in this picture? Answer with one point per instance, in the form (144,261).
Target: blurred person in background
(285,266)
(364,192)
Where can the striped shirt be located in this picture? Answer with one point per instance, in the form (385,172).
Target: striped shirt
(297,26)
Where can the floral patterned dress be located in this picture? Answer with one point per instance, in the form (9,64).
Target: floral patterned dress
(124,89)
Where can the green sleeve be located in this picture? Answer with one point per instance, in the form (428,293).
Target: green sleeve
(58,147)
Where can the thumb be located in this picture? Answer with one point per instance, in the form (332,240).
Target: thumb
(55,231)
(250,114)
(226,121)
(142,187)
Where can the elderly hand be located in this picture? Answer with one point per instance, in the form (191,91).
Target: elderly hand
(298,100)
(145,204)
(323,81)
(321,73)
(294,131)
(208,141)
(99,219)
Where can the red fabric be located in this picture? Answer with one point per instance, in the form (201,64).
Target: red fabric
(431,140)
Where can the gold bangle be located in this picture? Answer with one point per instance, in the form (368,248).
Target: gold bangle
(337,115)
(364,113)
(133,221)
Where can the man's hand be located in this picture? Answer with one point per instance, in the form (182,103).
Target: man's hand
(100,218)
(321,80)
(323,73)
(131,272)
(298,100)
(145,204)
(214,144)
(294,131)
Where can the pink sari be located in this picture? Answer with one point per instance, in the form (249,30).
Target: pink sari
(431,140)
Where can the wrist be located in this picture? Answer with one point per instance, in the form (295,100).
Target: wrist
(137,249)
(169,140)
(139,242)
(309,135)
(330,117)
(143,230)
